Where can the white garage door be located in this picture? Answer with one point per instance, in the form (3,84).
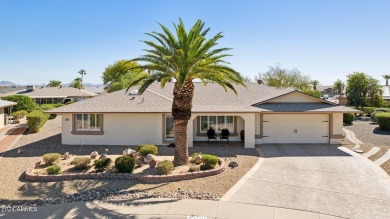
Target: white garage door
(295,128)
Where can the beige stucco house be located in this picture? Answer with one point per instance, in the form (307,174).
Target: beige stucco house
(266,115)
(4,104)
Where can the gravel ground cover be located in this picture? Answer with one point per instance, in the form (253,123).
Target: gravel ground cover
(14,188)
(372,136)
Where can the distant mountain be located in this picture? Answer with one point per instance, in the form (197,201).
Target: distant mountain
(86,85)
(7,83)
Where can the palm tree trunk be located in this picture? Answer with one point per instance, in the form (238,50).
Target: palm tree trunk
(181,112)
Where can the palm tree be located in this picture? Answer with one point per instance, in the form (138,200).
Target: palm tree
(315,83)
(185,56)
(82,72)
(54,83)
(77,83)
(338,86)
(387,77)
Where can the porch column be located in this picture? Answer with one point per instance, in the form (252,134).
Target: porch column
(190,131)
(250,129)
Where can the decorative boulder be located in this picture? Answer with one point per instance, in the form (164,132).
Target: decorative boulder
(198,159)
(135,155)
(152,164)
(102,156)
(128,152)
(94,154)
(149,158)
(66,156)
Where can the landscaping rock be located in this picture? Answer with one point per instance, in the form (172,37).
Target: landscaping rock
(198,159)
(135,155)
(128,152)
(66,156)
(94,154)
(102,156)
(152,164)
(149,158)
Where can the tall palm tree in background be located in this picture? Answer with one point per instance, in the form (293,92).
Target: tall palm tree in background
(315,83)
(185,56)
(387,77)
(338,86)
(54,83)
(82,72)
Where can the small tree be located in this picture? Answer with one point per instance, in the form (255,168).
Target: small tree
(24,102)
(363,90)
(279,77)
(386,77)
(82,72)
(77,83)
(338,86)
(315,83)
(54,83)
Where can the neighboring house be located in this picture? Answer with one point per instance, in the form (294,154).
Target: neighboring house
(3,117)
(5,90)
(47,95)
(96,89)
(266,115)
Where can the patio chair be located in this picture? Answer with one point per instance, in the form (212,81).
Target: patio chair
(224,135)
(211,134)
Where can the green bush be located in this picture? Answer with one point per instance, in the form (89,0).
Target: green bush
(51,158)
(348,118)
(69,102)
(102,164)
(125,164)
(164,167)
(314,93)
(367,111)
(81,163)
(19,114)
(24,103)
(45,107)
(194,168)
(53,170)
(146,149)
(209,161)
(35,120)
(383,121)
(378,110)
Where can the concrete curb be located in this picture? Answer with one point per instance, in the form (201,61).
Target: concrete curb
(30,175)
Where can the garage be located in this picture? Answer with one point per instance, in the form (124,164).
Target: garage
(295,128)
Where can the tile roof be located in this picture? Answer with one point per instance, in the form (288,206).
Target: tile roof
(209,98)
(53,92)
(5,103)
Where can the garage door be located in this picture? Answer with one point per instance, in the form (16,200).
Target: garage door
(295,128)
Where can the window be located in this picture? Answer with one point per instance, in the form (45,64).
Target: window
(88,122)
(169,127)
(217,123)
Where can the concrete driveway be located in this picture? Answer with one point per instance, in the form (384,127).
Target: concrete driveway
(318,178)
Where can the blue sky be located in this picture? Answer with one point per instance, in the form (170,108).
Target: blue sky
(52,40)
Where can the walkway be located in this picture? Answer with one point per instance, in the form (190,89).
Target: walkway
(9,136)
(165,208)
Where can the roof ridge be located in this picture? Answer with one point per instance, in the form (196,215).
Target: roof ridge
(160,95)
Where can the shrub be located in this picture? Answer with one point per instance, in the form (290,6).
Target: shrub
(45,107)
(69,102)
(35,120)
(348,118)
(102,164)
(194,168)
(164,167)
(378,110)
(314,93)
(146,149)
(19,114)
(51,158)
(383,121)
(54,170)
(81,163)
(24,103)
(209,161)
(367,111)
(125,164)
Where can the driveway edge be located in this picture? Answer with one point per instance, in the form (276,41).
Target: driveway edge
(243,179)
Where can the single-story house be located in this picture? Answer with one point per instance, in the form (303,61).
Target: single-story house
(386,92)
(265,115)
(47,95)
(3,118)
